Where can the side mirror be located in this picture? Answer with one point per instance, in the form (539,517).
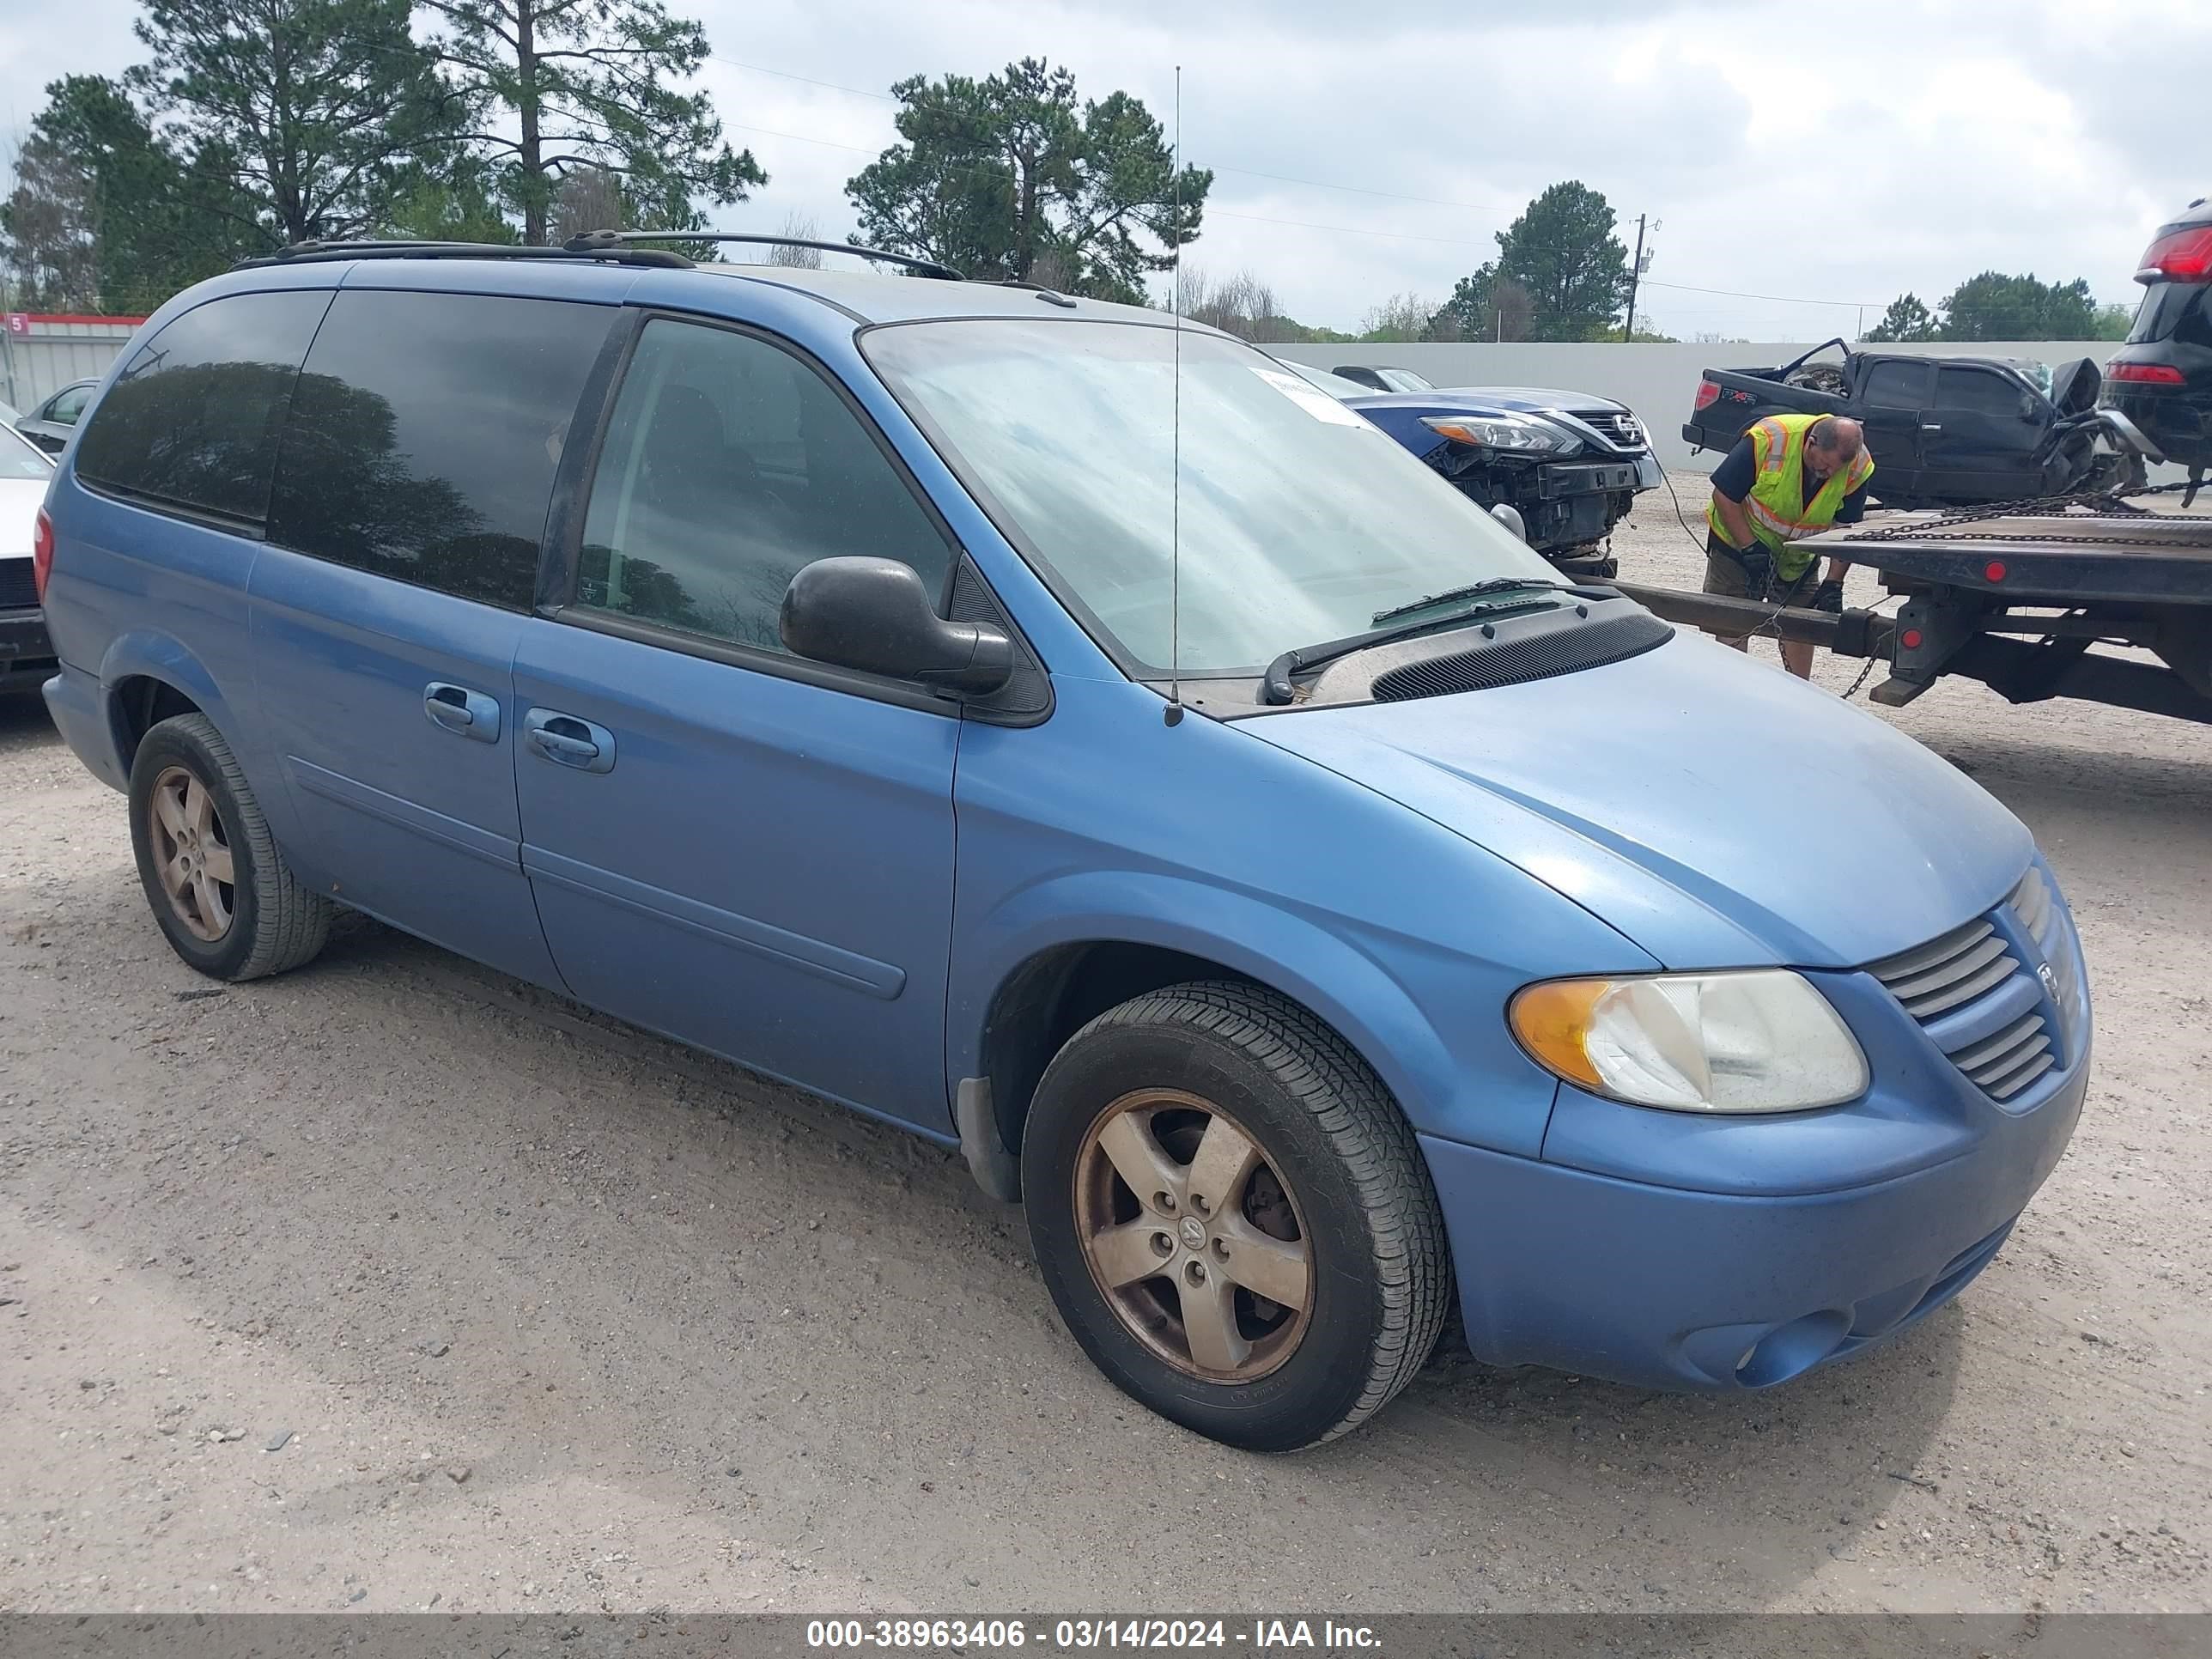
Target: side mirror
(875,615)
(1509,516)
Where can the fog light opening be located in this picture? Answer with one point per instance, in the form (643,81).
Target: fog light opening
(1791,1350)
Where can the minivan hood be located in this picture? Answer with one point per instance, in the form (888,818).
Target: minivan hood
(1714,810)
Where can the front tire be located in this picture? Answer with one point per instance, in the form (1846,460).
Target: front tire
(221,892)
(1233,1217)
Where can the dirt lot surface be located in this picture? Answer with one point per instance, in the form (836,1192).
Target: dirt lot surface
(393,1283)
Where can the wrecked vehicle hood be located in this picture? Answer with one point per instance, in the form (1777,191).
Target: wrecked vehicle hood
(1510,399)
(1717,811)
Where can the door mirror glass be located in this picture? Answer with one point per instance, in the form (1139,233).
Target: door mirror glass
(875,615)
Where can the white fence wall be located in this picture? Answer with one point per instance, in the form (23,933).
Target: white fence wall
(1658,381)
(55,351)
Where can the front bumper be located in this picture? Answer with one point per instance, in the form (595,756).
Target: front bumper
(26,655)
(1563,504)
(1692,1290)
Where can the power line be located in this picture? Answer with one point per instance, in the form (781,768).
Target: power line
(1248,172)
(1344,230)
(801,138)
(805,80)
(1278,178)
(1362,190)
(1781,299)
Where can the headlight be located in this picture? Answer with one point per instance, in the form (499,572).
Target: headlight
(1507,432)
(1758,1042)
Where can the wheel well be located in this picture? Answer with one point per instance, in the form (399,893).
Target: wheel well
(139,703)
(1054,995)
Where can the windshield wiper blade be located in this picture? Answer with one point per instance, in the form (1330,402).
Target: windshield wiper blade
(1275,686)
(1473,591)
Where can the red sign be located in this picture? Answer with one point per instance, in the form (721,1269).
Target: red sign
(19,322)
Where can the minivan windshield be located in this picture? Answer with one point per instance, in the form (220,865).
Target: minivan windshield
(1299,521)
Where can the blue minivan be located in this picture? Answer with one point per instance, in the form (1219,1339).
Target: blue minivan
(1078,740)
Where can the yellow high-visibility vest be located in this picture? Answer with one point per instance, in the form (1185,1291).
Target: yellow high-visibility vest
(1780,514)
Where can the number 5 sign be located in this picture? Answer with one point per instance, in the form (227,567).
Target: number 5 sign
(19,323)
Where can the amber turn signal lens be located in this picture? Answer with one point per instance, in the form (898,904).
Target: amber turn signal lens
(1550,1021)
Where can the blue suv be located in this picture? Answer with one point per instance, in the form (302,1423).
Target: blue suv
(1082,741)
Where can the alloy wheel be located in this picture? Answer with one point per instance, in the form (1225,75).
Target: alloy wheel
(191,853)
(1194,1236)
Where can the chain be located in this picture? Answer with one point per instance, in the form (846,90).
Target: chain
(2103,504)
(2025,538)
(2100,504)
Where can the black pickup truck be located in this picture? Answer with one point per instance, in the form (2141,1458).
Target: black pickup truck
(1943,431)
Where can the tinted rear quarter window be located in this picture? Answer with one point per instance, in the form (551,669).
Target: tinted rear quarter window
(194,419)
(425,435)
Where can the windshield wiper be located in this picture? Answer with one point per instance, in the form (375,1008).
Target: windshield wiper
(1275,683)
(1473,591)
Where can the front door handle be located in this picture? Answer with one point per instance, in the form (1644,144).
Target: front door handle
(567,741)
(1931,426)
(463,713)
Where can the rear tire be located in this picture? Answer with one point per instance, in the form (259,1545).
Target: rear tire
(1319,1195)
(221,892)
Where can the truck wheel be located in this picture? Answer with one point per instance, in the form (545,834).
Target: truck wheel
(221,891)
(1233,1217)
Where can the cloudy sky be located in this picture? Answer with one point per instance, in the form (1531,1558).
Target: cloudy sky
(1827,151)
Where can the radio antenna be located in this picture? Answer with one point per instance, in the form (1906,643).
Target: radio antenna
(1175,470)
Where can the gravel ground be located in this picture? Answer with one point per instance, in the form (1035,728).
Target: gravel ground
(394,1283)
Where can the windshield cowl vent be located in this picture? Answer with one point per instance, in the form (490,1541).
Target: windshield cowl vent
(1536,647)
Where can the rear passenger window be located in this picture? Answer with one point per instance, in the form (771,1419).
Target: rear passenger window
(194,418)
(1897,385)
(729,464)
(1980,391)
(425,434)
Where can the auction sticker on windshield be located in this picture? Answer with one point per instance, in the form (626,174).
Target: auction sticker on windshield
(1311,399)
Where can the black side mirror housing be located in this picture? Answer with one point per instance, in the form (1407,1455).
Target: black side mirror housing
(874,615)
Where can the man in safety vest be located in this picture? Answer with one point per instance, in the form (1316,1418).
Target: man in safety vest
(1790,476)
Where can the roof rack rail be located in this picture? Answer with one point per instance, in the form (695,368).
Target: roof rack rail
(614,241)
(371,248)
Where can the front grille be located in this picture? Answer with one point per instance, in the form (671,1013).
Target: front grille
(1956,968)
(18,591)
(1972,992)
(1616,426)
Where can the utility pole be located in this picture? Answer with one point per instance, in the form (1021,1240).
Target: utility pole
(1635,276)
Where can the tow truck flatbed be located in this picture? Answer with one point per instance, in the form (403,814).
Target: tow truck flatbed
(2021,597)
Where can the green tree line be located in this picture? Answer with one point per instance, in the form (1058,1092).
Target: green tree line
(255,124)
(1995,306)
